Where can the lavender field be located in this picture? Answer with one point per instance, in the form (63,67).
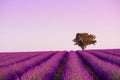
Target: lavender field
(61,65)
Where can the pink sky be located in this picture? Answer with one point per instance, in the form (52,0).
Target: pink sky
(35,25)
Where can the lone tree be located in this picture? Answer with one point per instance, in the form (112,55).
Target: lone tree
(84,39)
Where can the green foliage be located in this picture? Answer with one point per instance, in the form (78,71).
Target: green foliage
(84,39)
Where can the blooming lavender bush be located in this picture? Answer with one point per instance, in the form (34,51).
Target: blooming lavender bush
(17,59)
(16,70)
(61,65)
(113,52)
(107,57)
(46,70)
(105,70)
(75,69)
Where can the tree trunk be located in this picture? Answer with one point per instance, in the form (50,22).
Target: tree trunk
(83,47)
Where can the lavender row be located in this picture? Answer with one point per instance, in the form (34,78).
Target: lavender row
(5,56)
(110,58)
(108,51)
(17,70)
(105,70)
(47,70)
(112,52)
(10,55)
(74,69)
(18,59)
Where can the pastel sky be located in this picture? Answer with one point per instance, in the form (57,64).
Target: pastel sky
(35,25)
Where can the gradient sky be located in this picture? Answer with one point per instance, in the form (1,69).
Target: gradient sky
(35,25)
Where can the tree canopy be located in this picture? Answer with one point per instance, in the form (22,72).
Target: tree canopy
(84,39)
